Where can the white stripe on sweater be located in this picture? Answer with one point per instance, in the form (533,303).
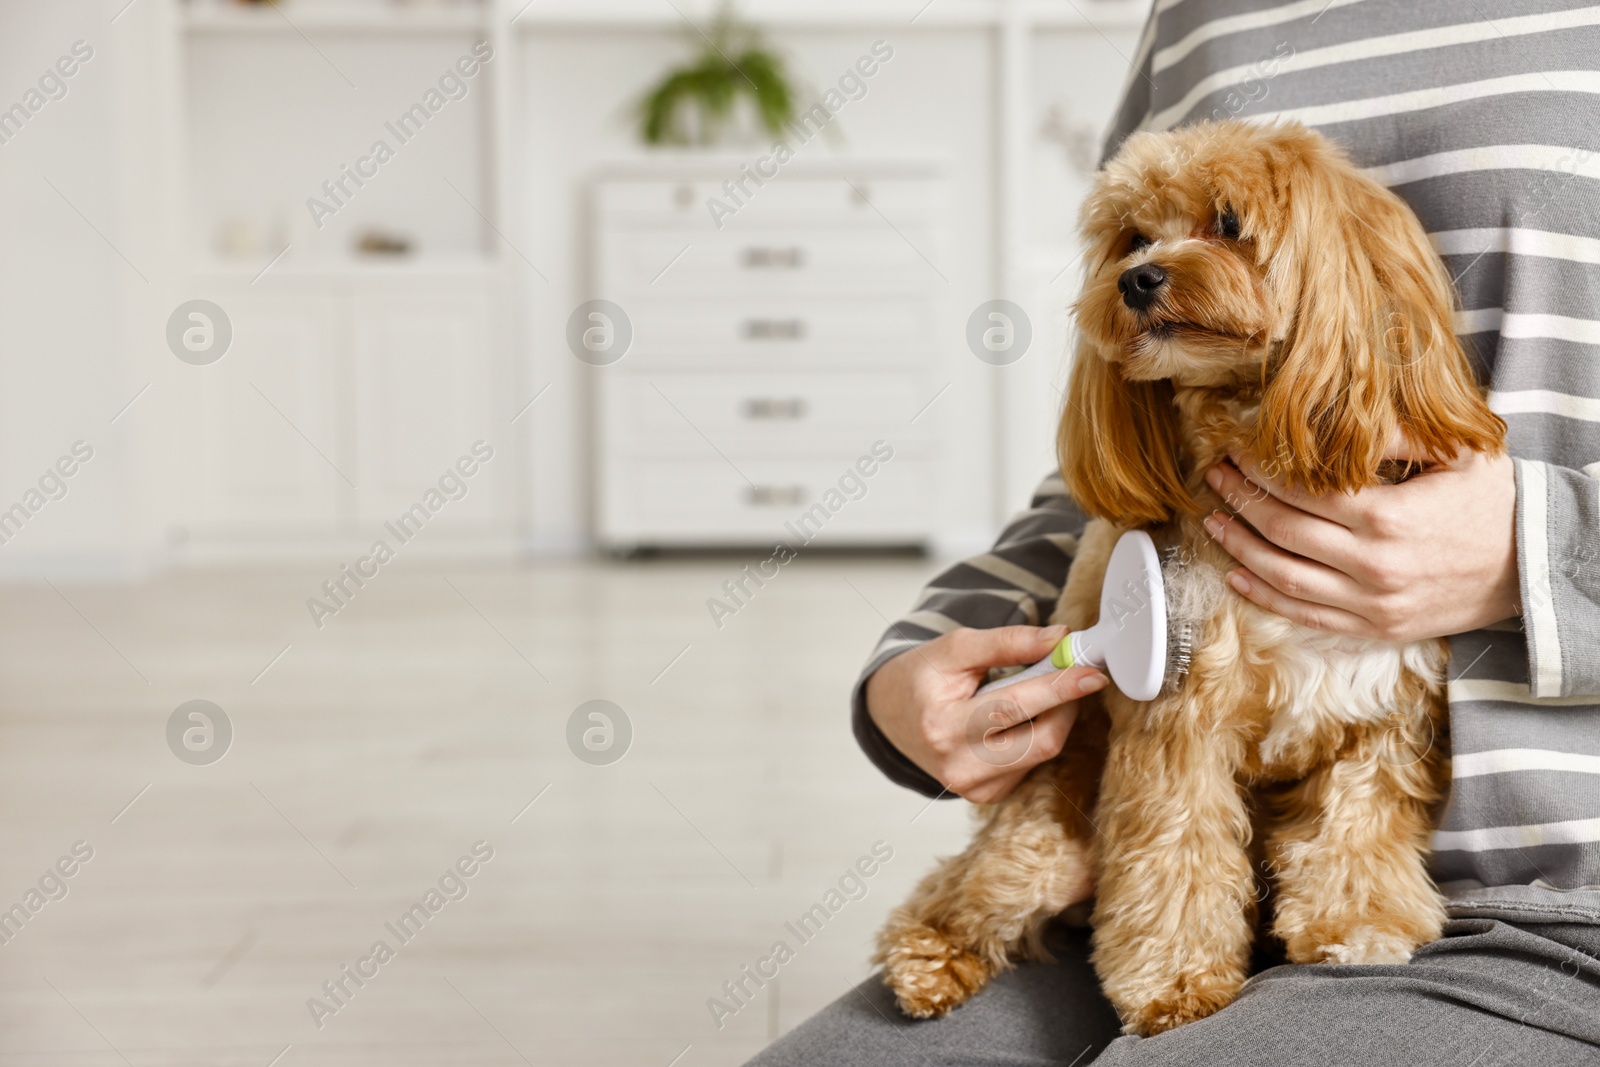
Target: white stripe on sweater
(1557,327)
(1542,244)
(1508,760)
(895,645)
(1465,690)
(1015,596)
(1544,638)
(1553,81)
(1254,20)
(1545,402)
(1392,45)
(1528,324)
(1562,159)
(1478,320)
(1570,832)
(1015,576)
(936,621)
(1067,543)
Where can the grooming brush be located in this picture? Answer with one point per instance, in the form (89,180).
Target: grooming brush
(1136,642)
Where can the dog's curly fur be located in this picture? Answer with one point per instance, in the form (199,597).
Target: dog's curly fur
(1304,318)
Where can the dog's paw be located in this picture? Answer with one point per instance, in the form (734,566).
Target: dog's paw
(1360,943)
(1191,997)
(928,974)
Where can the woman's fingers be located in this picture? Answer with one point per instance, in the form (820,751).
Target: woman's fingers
(968,650)
(1291,575)
(1287,523)
(997,758)
(1252,479)
(979,746)
(1012,730)
(1316,616)
(1023,700)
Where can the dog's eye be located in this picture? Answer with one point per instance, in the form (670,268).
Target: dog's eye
(1228,224)
(1139,241)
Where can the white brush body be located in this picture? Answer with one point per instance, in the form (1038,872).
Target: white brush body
(1130,641)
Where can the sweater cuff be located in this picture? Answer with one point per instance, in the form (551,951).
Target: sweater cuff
(884,756)
(1558,564)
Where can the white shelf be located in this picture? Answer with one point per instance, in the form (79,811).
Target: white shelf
(292,18)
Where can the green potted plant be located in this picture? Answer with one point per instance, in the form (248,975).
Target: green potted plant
(699,103)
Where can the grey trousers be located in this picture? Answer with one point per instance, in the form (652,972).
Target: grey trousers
(1487,994)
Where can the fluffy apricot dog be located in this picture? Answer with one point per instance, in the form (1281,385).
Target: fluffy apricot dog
(1247,288)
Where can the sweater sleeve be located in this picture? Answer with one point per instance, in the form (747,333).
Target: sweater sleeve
(1017,582)
(1558,561)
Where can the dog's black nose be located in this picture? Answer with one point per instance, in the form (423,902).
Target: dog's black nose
(1139,285)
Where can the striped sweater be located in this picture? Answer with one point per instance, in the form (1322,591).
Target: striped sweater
(1485,117)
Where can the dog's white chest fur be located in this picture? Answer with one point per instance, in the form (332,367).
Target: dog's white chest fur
(1318,677)
(1314,678)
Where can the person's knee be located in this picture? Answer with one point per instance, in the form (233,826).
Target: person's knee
(1131,1052)
(1215,1039)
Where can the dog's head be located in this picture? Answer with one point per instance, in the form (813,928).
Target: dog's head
(1258,262)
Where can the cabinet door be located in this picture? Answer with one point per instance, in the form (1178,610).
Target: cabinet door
(272,459)
(428,368)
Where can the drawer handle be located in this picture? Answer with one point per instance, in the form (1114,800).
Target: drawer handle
(759,257)
(766,496)
(767,407)
(774,329)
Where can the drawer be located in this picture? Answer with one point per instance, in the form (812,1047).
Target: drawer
(826,202)
(664,502)
(772,332)
(761,414)
(650,262)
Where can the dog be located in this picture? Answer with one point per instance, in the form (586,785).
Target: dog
(1246,287)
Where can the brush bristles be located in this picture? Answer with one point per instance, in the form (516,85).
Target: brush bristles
(1180,634)
(1180,647)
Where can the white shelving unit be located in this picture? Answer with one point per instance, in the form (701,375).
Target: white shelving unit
(806,348)
(355,381)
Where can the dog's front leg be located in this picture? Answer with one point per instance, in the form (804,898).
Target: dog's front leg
(1350,853)
(1175,910)
(979,911)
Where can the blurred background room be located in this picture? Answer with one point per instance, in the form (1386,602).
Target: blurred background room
(461,454)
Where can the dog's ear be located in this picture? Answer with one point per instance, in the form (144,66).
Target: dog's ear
(1118,445)
(1371,348)
(1435,394)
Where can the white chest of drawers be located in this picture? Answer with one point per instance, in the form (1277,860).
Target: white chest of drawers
(769,354)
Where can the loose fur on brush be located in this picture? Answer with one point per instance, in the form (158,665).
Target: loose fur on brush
(1295,310)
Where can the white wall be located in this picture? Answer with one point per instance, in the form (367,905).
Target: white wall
(65,289)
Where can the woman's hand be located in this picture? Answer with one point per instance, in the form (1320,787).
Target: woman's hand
(1428,557)
(978,747)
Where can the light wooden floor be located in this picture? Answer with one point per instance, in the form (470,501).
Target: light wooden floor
(375,752)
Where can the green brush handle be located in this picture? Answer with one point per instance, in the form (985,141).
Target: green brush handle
(1080,648)
(1072,650)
